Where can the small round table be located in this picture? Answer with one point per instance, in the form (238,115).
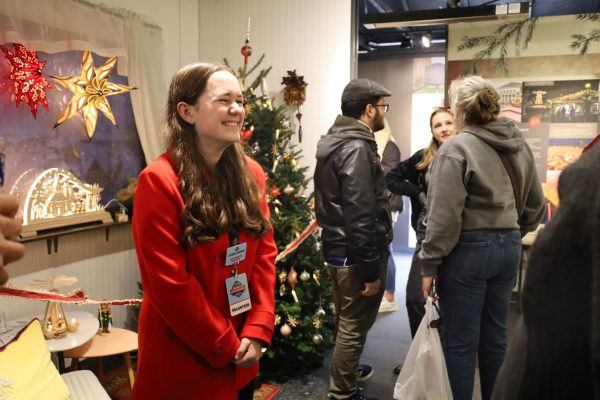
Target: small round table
(88,326)
(117,341)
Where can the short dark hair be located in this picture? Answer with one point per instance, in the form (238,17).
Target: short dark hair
(356,108)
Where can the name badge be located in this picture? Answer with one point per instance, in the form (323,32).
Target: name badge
(238,294)
(235,254)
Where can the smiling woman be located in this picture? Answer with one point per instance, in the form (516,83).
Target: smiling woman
(205,248)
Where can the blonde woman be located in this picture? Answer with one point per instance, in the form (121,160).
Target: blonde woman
(411,178)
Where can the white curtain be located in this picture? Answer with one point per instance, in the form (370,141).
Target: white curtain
(60,25)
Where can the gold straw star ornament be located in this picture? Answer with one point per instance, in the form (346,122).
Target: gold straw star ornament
(90,90)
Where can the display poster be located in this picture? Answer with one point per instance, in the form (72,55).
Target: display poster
(559,118)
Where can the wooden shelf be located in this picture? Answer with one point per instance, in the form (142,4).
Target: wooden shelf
(51,236)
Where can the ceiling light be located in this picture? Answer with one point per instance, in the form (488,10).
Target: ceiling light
(446,15)
(426,40)
(436,41)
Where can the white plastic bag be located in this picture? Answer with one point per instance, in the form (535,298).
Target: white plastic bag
(424,375)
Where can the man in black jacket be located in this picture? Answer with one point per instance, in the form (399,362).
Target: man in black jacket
(354,212)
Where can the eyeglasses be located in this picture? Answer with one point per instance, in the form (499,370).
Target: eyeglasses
(386,107)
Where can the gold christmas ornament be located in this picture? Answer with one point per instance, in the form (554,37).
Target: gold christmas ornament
(292,279)
(90,90)
(285,330)
(316,276)
(282,279)
(317,338)
(317,323)
(293,322)
(288,189)
(277,319)
(320,312)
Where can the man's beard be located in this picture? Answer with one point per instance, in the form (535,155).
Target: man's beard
(378,122)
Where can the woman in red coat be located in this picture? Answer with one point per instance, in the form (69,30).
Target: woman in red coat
(205,249)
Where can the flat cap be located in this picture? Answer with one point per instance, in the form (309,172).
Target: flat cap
(363,89)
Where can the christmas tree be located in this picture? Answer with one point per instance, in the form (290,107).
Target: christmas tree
(304,320)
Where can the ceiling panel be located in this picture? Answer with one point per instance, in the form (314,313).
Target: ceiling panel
(407,40)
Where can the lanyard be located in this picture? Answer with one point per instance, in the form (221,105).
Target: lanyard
(234,239)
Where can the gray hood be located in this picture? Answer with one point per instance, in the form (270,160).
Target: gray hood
(503,135)
(343,129)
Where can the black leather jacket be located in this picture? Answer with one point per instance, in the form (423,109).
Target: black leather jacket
(350,201)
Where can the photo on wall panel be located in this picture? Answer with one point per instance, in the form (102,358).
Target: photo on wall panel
(561,101)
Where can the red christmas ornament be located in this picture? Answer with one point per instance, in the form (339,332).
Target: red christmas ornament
(246,134)
(27,82)
(274,191)
(246,51)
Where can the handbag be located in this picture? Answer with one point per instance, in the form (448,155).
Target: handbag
(424,375)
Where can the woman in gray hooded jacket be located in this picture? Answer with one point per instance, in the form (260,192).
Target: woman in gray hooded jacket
(475,221)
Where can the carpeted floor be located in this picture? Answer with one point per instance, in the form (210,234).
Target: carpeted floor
(116,383)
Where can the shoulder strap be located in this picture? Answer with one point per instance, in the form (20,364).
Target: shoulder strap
(514,180)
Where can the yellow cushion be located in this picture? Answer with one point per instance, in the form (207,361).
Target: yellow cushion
(26,371)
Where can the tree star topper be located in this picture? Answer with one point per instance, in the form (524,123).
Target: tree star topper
(25,76)
(90,90)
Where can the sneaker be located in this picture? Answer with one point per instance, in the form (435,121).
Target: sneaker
(388,306)
(365,372)
(397,369)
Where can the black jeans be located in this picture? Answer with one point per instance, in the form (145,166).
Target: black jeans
(415,302)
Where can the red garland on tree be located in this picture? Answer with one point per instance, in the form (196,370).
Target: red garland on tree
(27,82)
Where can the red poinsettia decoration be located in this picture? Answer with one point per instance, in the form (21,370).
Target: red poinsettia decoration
(27,81)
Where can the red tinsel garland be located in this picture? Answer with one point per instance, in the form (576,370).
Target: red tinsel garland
(79,296)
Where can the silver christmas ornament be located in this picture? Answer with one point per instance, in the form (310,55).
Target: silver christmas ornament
(285,330)
(304,276)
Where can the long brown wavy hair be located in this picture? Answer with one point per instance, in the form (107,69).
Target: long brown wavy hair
(434,146)
(225,198)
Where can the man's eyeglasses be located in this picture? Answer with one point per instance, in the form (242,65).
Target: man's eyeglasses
(385,106)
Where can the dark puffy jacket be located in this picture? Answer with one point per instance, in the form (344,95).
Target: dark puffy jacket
(406,180)
(350,201)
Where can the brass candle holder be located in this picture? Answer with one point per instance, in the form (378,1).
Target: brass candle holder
(56,322)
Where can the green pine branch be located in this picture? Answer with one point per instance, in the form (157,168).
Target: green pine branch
(498,42)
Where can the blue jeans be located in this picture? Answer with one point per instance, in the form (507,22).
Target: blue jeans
(475,283)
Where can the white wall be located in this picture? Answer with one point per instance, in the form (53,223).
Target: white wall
(311,36)
(179,23)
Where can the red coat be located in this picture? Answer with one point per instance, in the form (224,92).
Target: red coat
(187,337)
